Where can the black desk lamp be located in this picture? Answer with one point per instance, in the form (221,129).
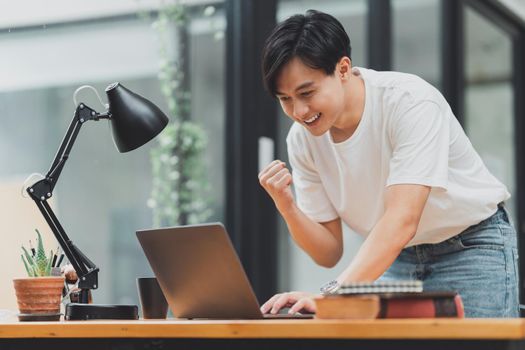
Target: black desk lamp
(134,121)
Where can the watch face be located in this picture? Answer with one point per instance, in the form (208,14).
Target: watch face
(330,287)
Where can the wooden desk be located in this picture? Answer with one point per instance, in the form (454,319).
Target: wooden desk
(263,334)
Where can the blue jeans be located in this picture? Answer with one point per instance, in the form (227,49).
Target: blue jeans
(481,264)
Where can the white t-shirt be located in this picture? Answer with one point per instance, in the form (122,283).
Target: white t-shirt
(407,135)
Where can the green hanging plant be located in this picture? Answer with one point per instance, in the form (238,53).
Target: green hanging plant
(180,193)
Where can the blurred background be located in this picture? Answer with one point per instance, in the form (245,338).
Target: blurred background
(473,51)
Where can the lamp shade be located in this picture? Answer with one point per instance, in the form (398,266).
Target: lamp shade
(134,119)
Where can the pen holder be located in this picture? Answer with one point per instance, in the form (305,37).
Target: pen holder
(152,300)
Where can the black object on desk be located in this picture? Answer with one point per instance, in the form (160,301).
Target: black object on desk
(101,312)
(152,300)
(135,121)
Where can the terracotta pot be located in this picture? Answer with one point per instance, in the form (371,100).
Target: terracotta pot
(39,295)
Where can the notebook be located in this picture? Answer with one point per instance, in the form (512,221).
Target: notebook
(399,286)
(200,273)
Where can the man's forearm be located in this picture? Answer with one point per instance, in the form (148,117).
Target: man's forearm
(315,239)
(380,249)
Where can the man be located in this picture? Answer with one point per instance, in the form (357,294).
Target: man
(383,153)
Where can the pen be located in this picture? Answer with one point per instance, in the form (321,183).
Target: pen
(55,256)
(33,251)
(60,260)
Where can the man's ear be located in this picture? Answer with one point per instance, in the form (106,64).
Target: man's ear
(344,66)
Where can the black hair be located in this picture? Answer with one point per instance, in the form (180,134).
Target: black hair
(316,38)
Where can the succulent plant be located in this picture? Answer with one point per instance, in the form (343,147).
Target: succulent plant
(37,264)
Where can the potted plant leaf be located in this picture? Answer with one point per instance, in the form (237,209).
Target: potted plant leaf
(39,295)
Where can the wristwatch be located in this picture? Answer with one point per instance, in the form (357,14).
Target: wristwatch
(330,287)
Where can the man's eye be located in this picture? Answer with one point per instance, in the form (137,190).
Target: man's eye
(284,98)
(306,93)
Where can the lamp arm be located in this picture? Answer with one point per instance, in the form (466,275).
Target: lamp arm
(82,114)
(42,190)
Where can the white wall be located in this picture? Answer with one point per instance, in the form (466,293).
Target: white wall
(18,217)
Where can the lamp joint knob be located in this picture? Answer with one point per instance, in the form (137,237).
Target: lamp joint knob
(81,106)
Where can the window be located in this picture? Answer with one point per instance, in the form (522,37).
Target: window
(489,97)
(101,196)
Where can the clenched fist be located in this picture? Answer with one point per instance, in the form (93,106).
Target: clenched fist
(276,179)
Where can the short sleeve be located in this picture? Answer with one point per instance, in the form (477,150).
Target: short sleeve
(309,191)
(420,146)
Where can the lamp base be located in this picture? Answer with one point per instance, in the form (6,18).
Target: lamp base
(77,311)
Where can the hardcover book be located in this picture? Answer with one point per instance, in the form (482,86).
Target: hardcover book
(390,305)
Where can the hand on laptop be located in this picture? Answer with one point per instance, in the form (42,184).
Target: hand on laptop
(297,302)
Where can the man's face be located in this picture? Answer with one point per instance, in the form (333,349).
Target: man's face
(310,96)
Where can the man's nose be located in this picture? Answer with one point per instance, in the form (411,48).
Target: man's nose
(300,110)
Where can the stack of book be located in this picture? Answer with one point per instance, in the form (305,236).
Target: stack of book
(388,299)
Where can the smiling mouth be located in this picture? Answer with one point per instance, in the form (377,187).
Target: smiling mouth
(313,120)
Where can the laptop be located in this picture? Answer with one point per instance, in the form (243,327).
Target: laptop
(200,273)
